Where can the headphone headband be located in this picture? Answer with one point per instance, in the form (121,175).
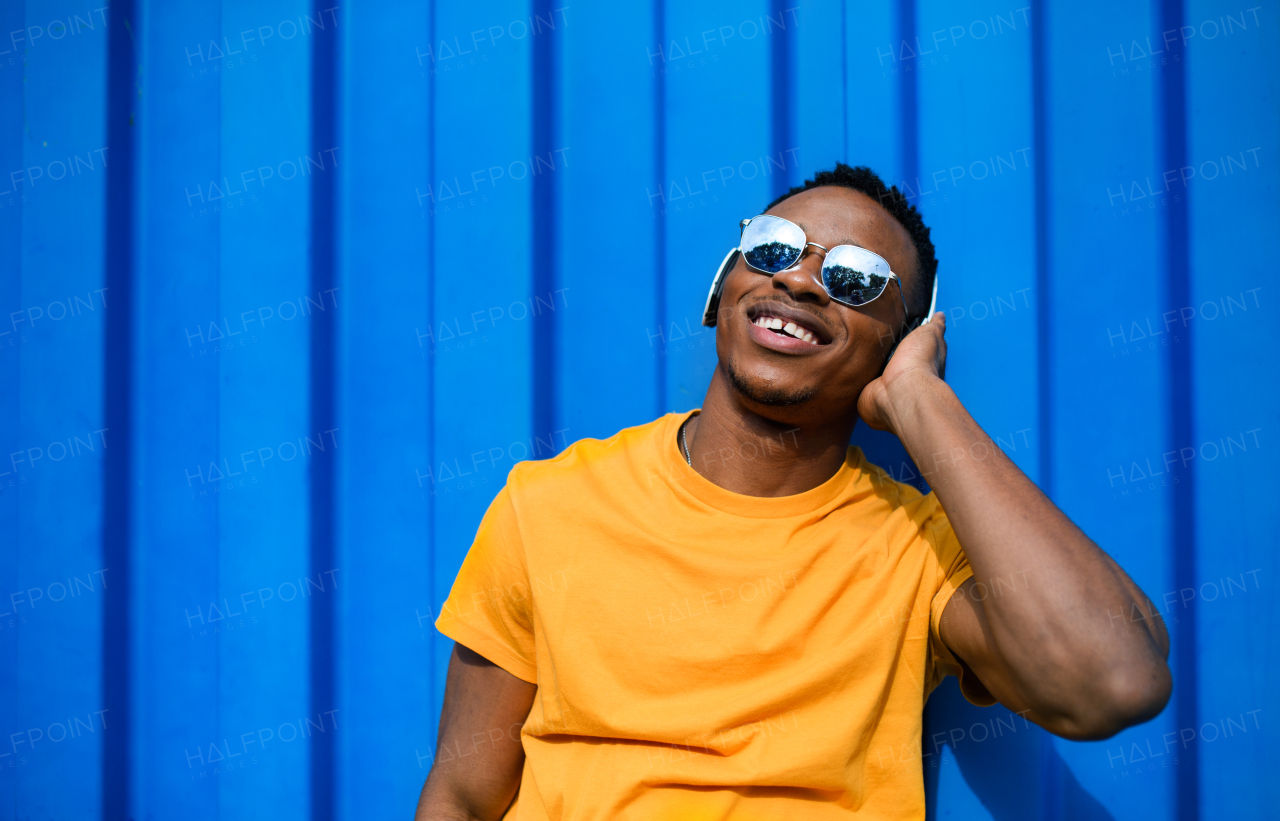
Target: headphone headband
(712,308)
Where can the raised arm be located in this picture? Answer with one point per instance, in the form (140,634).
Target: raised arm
(1076,644)
(478,753)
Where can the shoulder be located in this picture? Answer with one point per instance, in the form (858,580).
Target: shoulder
(875,481)
(912,519)
(587,462)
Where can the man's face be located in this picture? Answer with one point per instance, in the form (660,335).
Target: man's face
(791,380)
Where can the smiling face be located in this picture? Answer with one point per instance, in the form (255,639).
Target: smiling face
(787,349)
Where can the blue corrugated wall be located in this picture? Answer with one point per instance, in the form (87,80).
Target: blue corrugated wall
(287,287)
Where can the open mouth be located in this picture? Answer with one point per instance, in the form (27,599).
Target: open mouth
(787,324)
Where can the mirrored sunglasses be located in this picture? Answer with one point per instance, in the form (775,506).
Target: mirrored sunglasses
(852,275)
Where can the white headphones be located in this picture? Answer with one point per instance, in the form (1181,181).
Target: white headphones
(713,296)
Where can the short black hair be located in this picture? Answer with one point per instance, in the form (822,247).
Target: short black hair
(866,181)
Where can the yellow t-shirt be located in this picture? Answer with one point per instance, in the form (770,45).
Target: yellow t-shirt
(705,655)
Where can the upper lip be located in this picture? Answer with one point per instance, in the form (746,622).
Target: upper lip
(805,319)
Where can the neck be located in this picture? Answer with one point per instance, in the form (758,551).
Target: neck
(746,453)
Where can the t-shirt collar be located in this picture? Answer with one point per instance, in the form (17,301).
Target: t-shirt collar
(687,483)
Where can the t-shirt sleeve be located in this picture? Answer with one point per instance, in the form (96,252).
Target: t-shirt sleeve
(489,609)
(952,571)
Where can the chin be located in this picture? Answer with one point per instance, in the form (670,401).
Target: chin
(769,393)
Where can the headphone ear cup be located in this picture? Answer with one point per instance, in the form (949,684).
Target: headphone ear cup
(712,308)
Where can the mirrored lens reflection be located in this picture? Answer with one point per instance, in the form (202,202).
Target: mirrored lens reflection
(772,244)
(853,275)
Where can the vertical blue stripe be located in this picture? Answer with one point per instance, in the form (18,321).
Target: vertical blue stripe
(782,72)
(437,583)
(1044,316)
(909,93)
(324,56)
(1050,763)
(1173,154)
(118,412)
(844,76)
(660,224)
(386,656)
(544,218)
(12,139)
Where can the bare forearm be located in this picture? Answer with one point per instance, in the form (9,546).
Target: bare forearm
(1064,618)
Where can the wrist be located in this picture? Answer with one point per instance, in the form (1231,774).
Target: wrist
(902,396)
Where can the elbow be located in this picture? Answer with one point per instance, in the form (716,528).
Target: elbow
(1122,699)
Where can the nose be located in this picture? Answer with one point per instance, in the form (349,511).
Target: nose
(803,283)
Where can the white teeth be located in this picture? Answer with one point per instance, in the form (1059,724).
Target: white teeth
(789,328)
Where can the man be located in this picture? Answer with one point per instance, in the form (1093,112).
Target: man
(731,614)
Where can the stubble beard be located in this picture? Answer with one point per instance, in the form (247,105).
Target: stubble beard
(764,394)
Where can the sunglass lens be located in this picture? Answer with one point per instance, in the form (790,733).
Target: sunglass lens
(854,275)
(771,244)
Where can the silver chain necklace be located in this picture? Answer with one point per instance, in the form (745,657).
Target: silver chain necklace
(684,443)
